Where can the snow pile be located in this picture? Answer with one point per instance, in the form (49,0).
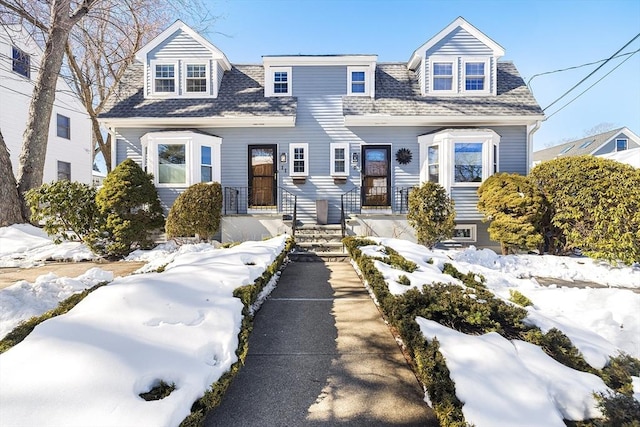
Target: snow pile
(23,245)
(504,383)
(179,326)
(24,300)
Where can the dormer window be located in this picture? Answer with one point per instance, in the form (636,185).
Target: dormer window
(196,79)
(358,80)
(278,81)
(164,78)
(443,76)
(475,75)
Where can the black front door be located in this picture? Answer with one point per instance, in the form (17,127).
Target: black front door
(262,176)
(376,175)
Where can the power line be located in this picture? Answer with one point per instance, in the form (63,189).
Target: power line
(593,72)
(598,81)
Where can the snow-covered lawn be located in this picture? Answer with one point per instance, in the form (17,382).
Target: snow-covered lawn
(506,383)
(89,366)
(180,326)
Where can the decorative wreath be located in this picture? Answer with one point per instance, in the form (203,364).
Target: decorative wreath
(404,156)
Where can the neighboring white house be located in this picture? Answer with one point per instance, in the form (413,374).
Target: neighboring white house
(69,149)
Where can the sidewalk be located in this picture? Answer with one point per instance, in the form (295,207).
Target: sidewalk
(320,354)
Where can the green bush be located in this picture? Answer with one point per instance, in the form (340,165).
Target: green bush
(518,298)
(618,372)
(196,212)
(431,213)
(67,209)
(515,208)
(129,201)
(593,205)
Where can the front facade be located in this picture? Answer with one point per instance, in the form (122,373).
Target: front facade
(336,136)
(69,151)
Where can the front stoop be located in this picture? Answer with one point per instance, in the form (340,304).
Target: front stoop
(319,243)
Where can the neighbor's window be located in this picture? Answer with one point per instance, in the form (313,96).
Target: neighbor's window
(467,162)
(433,162)
(164,78)
(63,126)
(281,82)
(206,167)
(474,76)
(339,159)
(299,159)
(64,171)
(21,62)
(196,78)
(442,76)
(621,144)
(172,164)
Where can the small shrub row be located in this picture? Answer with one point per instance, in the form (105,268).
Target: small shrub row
(248,295)
(20,332)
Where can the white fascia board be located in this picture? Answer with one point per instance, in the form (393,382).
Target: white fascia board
(187,122)
(141,55)
(293,60)
(372,120)
(417,55)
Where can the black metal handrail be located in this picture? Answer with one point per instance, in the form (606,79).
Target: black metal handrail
(289,208)
(236,201)
(349,203)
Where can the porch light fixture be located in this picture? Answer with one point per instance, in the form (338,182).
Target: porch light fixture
(283,158)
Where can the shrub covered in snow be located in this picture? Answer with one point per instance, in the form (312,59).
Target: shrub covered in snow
(196,212)
(431,213)
(515,210)
(129,201)
(594,205)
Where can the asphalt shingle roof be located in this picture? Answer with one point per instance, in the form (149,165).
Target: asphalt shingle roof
(578,147)
(241,95)
(397,94)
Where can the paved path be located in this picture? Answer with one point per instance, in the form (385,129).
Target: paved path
(320,355)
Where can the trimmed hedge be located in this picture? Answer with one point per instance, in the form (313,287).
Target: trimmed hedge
(248,295)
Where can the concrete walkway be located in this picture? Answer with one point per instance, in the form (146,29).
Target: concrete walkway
(321,355)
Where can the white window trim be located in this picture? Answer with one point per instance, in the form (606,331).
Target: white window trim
(347,157)
(192,141)
(152,78)
(207,65)
(487,75)
(367,80)
(446,141)
(270,81)
(621,139)
(474,233)
(453,60)
(292,148)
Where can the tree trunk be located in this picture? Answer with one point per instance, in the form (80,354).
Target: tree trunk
(10,211)
(36,134)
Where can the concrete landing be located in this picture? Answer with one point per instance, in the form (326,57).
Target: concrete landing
(320,354)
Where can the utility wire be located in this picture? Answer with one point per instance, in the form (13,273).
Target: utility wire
(593,72)
(582,93)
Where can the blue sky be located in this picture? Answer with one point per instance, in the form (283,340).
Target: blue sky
(538,36)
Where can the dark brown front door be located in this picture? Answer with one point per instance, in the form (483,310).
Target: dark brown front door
(262,175)
(376,175)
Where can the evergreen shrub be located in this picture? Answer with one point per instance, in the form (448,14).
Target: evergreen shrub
(431,213)
(196,212)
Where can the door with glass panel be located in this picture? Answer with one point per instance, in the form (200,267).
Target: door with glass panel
(376,175)
(262,176)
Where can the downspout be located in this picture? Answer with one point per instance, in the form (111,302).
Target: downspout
(530,133)
(112,131)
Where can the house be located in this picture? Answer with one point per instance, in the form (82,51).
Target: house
(613,141)
(327,138)
(69,147)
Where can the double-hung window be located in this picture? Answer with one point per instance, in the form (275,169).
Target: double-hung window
(164,77)
(172,164)
(63,126)
(21,62)
(206,167)
(196,79)
(299,158)
(339,159)
(358,81)
(64,171)
(433,163)
(278,82)
(443,76)
(476,77)
(467,162)
(621,144)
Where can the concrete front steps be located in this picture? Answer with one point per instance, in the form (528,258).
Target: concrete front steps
(319,243)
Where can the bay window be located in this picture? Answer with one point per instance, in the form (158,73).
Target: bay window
(181,158)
